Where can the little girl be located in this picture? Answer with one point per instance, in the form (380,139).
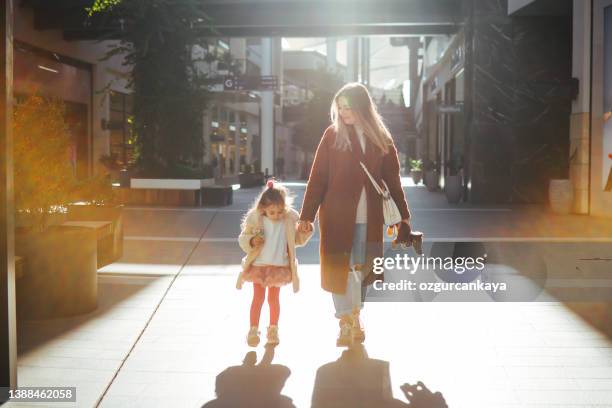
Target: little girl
(269,236)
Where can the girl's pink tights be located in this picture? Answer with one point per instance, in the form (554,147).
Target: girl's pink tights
(259,293)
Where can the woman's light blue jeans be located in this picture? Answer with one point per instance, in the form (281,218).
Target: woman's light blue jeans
(350,300)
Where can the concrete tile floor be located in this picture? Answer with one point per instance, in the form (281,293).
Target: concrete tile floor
(170,321)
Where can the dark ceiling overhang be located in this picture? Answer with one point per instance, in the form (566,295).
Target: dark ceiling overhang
(558,8)
(276,18)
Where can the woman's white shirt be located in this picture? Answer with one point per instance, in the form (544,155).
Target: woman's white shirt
(362,208)
(274,251)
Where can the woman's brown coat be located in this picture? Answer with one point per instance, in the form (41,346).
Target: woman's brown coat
(334,188)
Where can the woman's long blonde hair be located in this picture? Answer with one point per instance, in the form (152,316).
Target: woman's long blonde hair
(365,111)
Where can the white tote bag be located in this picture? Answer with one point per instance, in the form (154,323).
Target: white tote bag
(390,211)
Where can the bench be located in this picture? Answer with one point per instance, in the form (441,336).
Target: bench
(176,192)
(60,276)
(104,236)
(217,196)
(110,249)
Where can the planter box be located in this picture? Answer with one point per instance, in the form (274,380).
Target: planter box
(171,192)
(217,196)
(248,180)
(60,277)
(110,248)
(26,221)
(141,196)
(432,180)
(453,188)
(170,184)
(417,176)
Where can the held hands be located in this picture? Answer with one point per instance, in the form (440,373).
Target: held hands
(305,226)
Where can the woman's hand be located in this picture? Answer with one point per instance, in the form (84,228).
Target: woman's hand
(405,221)
(305,226)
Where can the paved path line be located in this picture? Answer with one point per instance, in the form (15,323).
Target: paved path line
(101,398)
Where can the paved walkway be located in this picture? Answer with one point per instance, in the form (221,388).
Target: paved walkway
(170,322)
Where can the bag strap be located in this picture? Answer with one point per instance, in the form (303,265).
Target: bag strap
(374,183)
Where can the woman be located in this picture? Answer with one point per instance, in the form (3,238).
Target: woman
(350,209)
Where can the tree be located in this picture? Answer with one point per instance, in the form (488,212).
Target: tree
(156,37)
(45,181)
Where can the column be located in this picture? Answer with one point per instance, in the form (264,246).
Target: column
(579,121)
(331,53)
(352,67)
(267,111)
(249,143)
(237,144)
(414,45)
(8,326)
(365,61)
(206,129)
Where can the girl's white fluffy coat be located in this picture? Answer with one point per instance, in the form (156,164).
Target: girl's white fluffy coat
(253,222)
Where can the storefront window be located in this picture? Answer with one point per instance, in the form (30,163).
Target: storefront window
(122,141)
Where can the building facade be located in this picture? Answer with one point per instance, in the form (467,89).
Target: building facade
(496,103)
(94,92)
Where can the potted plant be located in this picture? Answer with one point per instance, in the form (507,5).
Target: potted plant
(561,190)
(416,170)
(431,175)
(453,182)
(112,165)
(60,276)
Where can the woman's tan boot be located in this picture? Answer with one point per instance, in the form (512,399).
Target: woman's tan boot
(345,338)
(357,330)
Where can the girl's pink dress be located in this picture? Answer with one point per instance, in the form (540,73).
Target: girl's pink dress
(271,274)
(268,275)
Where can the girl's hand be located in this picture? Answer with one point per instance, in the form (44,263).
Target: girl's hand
(305,226)
(257,241)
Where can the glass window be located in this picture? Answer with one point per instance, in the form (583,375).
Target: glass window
(120,126)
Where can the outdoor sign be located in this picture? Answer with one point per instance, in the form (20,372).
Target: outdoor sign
(250,83)
(453,108)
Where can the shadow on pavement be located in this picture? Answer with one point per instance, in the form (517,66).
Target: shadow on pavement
(357,381)
(252,385)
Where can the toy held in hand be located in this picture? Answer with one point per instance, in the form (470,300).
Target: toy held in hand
(405,237)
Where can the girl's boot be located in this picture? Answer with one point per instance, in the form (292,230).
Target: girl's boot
(253,337)
(272,335)
(357,330)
